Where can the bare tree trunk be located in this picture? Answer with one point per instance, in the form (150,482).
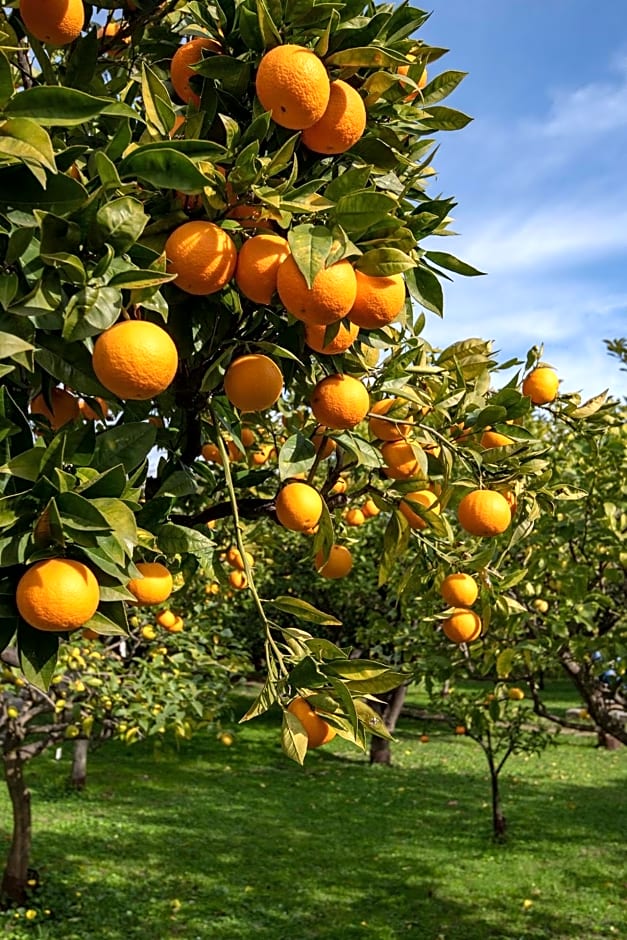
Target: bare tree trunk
(606,714)
(499,823)
(380,751)
(78,774)
(15,878)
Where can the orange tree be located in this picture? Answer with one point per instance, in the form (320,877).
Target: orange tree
(212,226)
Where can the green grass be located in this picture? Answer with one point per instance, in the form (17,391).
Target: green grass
(235,843)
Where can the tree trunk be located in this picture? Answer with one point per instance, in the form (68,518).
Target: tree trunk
(606,713)
(78,774)
(380,751)
(15,878)
(499,823)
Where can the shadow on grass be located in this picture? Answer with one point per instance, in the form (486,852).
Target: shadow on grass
(258,847)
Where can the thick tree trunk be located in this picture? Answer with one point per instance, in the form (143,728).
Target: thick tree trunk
(606,713)
(380,751)
(15,878)
(78,774)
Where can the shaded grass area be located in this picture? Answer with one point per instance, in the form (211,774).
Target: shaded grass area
(231,843)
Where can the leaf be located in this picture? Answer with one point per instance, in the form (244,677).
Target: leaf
(293,738)
(352,179)
(310,245)
(445,119)
(165,169)
(303,611)
(358,211)
(504,663)
(441,87)
(6,80)
(104,625)
(121,222)
(157,102)
(138,278)
(266,698)
(126,444)
(10,345)
(427,290)
(372,721)
(30,142)
(382,262)
(91,311)
(56,106)
(296,456)
(19,189)
(121,519)
(395,542)
(591,406)
(368,56)
(451,263)
(177,539)
(37,651)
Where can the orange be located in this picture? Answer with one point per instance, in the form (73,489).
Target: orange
(337,565)
(258,263)
(541,385)
(247,437)
(340,402)
(400,458)
(459,590)
(176,627)
(330,297)
(235,560)
(235,453)
(512,502)
(354,517)
(190,53)
(391,430)
(64,408)
(292,83)
(463,626)
(424,498)
(318,731)
(203,257)
(298,506)
(90,414)
(250,217)
(166,618)
(344,337)
(262,454)
(135,360)
(370,509)
(422,81)
(340,486)
(155,584)
(58,22)
(515,694)
(342,124)
(491,438)
(238,580)
(484,513)
(211,453)
(378,300)
(110,31)
(253,382)
(57,594)
(460,729)
(326,445)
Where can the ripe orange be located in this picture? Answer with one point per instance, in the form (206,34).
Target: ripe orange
(176,627)
(330,297)
(339,487)
(238,580)
(258,264)
(512,502)
(491,438)
(459,590)
(342,124)
(235,560)
(484,513)
(541,385)
(211,453)
(253,382)
(392,430)
(378,300)
(326,448)
(155,585)
(292,83)
(58,22)
(250,217)
(354,517)
(298,506)
(166,618)
(190,53)
(262,454)
(343,339)
(460,729)
(57,594)
(370,509)
(135,360)
(337,565)
(247,437)
(318,731)
(90,414)
(340,402)
(400,458)
(64,407)
(422,81)
(463,626)
(202,255)
(424,498)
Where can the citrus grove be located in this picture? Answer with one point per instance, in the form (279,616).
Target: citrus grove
(218,268)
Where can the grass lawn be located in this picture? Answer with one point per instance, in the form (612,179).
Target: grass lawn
(236,843)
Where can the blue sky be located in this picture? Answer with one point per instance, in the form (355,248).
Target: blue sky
(541,180)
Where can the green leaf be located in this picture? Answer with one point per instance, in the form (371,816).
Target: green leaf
(441,87)
(164,168)
(266,698)
(303,610)
(6,80)
(19,189)
(426,289)
(348,182)
(10,345)
(56,106)
(358,211)
(121,222)
(91,311)
(121,519)
(37,651)
(382,262)
(372,721)
(157,103)
(504,663)
(127,444)
(27,141)
(445,119)
(395,542)
(102,624)
(177,539)
(310,245)
(451,263)
(590,407)
(293,738)
(137,279)
(366,56)
(296,456)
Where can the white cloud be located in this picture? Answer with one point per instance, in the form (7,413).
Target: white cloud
(591,109)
